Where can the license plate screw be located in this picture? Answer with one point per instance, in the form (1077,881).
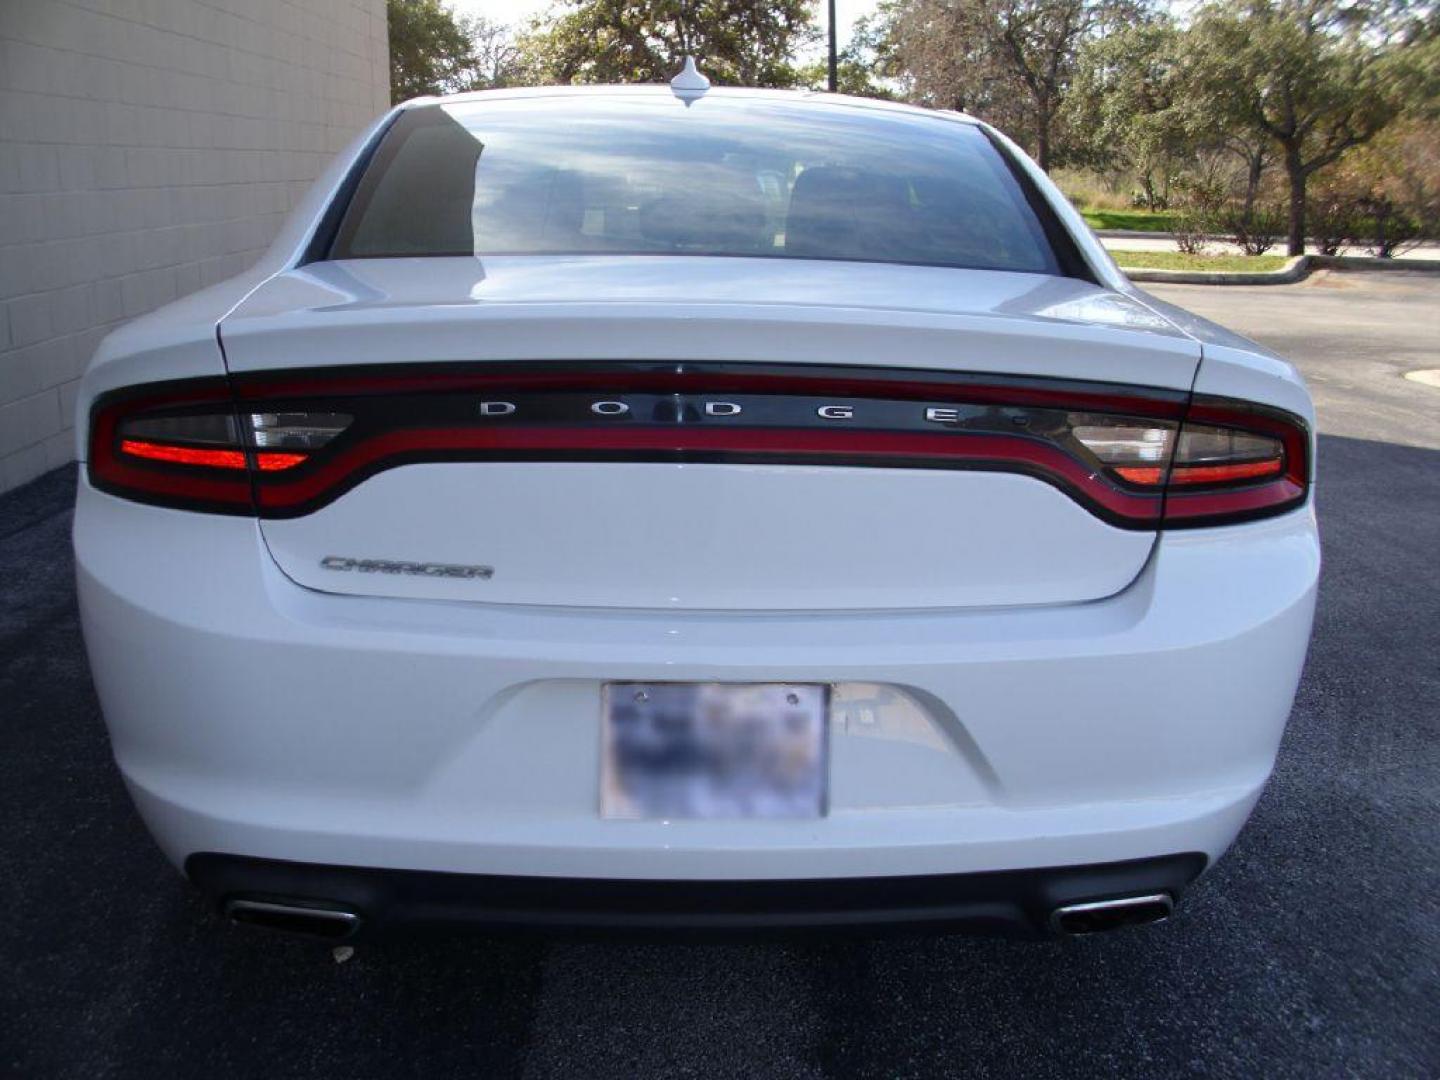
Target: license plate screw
(642,695)
(793,698)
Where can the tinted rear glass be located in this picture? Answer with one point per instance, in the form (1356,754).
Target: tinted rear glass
(727,176)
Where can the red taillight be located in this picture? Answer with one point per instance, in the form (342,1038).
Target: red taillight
(1181,475)
(183,455)
(1229,462)
(181,444)
(292,442)
(214,459)
(1241,471)
(1236,461)
(268,462)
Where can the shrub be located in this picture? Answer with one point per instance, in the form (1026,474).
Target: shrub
(1256,229)
(1197,206)
(1156,199)
(1332,224)
(1391,230)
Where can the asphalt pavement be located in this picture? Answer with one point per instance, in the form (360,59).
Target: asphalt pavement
(1311,950)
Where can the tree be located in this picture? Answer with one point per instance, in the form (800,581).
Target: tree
(430,51)
(495,58)
(858,67)
(1418,77)
(1124,106)
(1390,188)
(1315,77)
(1130,104)
(1256,154)
(1008,61)
(739,42)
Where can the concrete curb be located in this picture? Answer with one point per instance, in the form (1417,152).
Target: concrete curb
(1366,262)
(1297,269)
(1144,234)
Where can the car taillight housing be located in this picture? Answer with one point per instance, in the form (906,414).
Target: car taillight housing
(285,444)
(1236,461)
(184,444)
(1227,460)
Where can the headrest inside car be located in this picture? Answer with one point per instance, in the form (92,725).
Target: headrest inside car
(707,218)
(843,213)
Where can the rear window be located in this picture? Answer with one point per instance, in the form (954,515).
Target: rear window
(645,175)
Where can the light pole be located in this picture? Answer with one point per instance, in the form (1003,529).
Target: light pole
(834,80)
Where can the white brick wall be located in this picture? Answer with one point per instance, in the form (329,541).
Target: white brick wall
(149,148)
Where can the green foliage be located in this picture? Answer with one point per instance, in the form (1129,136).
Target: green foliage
(1127,104)
(853,77)
(1255,83)
(1419,75)
(1344,95)
(1198,206)
(1255,227)
(1392,229)
(1008,61)
(496,58)
(1312,77)
(859,68)
(1385,196)
(735,42)
(1404,164)
(1333,220)
(429,50)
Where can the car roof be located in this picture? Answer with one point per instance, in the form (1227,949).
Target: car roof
(602,92)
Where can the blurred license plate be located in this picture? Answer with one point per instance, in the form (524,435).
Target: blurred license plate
(713,750)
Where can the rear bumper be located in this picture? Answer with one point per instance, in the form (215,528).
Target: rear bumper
(1013,903)
(256,718)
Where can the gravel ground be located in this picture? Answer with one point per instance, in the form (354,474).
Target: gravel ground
(1310,951)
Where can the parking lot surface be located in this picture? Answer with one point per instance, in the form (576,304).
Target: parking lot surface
(1312,950)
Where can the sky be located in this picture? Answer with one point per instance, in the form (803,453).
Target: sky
(515,12)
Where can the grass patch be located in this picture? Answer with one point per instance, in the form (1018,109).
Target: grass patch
(1096,191)
(1174,260)
(1134,220)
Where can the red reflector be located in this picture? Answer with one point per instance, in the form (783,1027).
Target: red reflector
(215,459)
(1201,474)
(1219,474)
(186,455)
(1140,474)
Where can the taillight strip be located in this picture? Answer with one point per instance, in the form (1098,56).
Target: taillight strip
(208,457)
(688,378)
(679,443)
(184,455)
(410,414)
(1224,474)
(1201,474)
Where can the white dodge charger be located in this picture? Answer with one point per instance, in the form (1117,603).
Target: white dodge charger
(626,508)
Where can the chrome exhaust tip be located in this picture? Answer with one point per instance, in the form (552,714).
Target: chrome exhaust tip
(1101,915)
(316,920)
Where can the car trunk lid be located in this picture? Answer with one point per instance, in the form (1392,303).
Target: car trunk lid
(547,501)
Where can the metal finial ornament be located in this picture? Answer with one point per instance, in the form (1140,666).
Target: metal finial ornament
(689,85)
